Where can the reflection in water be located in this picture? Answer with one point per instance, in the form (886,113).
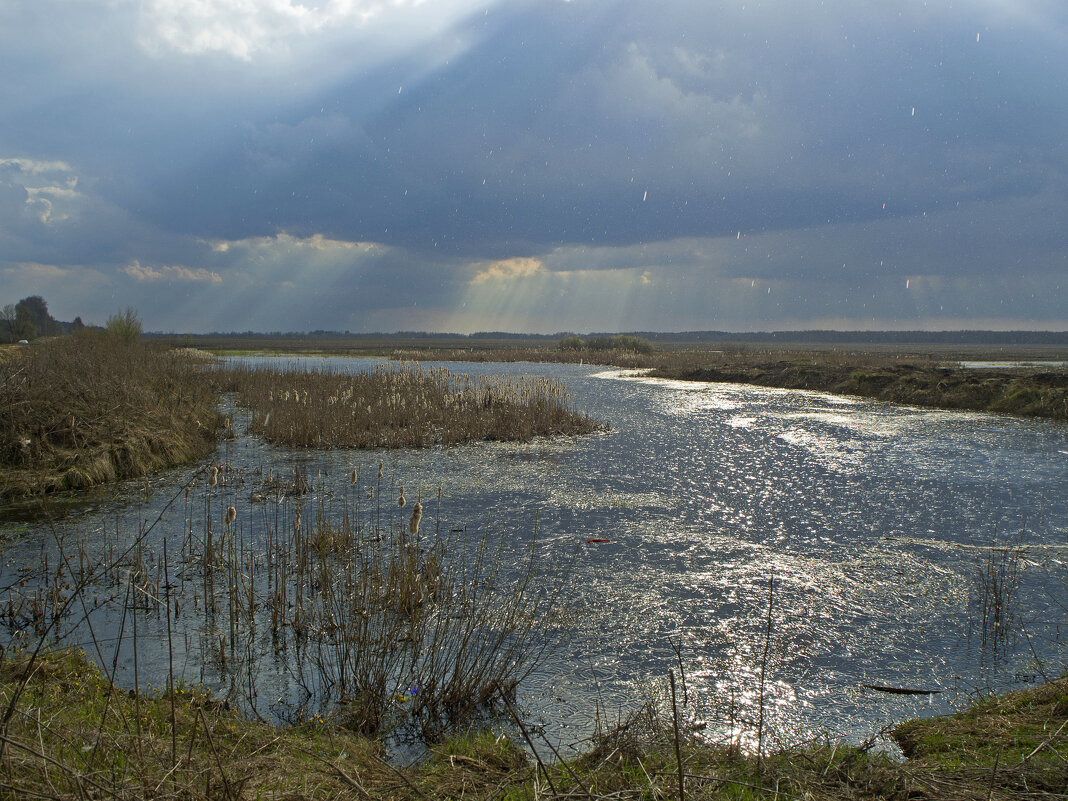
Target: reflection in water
(875,521)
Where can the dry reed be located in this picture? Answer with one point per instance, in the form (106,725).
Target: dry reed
(405,405)
(81,411)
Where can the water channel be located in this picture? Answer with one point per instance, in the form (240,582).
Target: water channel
(872,526)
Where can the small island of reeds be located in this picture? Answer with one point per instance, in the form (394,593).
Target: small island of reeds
(400,405)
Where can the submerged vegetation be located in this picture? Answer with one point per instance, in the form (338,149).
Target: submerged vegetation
(400,406)
(83,410)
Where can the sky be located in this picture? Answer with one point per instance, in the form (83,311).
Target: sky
(544,166)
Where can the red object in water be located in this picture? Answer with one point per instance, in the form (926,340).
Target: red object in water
(596,540)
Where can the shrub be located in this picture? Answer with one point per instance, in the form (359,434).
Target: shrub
(622,342)
(570,343)
(124,325)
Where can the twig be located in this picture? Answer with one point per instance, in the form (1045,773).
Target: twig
(675,722)
(523,731)
(763,671)
(403,778)
(567,767)
(215,753)
(351,782)
(993,773)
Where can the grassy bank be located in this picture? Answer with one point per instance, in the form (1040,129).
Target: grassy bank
(80,411)
(68,733)
(1026,392)
(400,405)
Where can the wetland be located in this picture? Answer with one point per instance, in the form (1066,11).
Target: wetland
(774,549)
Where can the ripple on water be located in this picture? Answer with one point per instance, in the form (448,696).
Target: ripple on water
(857,508)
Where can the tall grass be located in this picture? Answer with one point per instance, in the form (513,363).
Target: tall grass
(400,405)
(84,410)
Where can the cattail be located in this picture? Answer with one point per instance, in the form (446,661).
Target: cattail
(231,515)
(400,500)
(413,521)
(214,476)
(355,475)
(379,466)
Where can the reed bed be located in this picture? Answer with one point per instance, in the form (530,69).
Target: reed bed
(80,411)
(383,622)
(400,405)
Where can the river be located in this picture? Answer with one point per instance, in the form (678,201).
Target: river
(867,527)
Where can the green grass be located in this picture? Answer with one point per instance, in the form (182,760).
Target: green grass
(70,734)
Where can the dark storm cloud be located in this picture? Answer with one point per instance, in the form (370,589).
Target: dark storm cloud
(615,123)
(852,144)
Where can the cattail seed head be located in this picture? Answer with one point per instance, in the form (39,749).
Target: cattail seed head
(355,475)
(413,521)
(231,515)
(380,469)
(400,500)
(214,476)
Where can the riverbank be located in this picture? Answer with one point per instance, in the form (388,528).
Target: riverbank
(68,733)
(930,380)
(80,411)
(906,372)
(1027,392)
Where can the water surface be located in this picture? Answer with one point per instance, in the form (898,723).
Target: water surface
(867,525)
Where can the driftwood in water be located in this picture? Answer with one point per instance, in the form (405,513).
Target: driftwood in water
(898,690)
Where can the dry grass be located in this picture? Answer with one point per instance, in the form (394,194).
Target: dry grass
(72,735)
(400,405)
(896,379)
(80,411)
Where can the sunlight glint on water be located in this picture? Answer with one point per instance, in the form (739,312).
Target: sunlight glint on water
(859,510)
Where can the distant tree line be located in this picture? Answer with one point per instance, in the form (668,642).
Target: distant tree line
(30,319)
(826,336)
(622,342)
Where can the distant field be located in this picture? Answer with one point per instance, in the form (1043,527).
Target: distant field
(543,346)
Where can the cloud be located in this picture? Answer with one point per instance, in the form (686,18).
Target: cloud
(242,29)
(141,272)
(34,167)
(370,164)
(507,270)
(282,244)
